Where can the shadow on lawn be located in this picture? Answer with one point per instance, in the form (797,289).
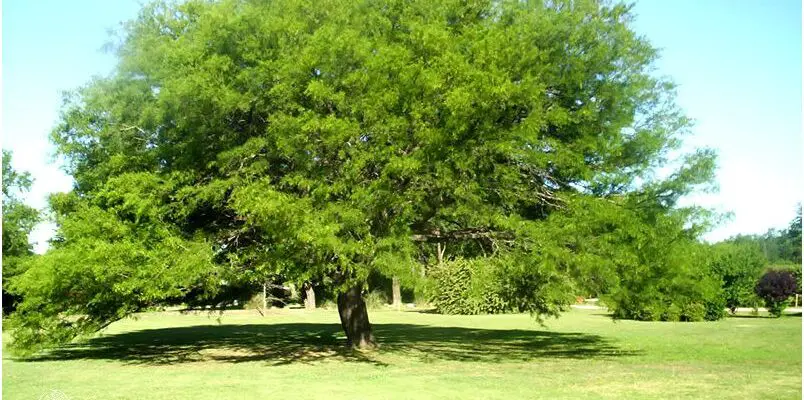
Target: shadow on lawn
(281,344)
(766,316)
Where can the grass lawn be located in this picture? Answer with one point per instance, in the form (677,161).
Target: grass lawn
(299,354)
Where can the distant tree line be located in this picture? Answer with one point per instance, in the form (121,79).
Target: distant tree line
(778,246)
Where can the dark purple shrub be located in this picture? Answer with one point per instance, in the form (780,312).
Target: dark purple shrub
(775,287)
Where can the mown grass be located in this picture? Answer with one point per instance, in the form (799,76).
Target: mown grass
(299,354)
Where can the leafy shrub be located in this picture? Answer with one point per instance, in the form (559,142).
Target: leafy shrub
(775,288)
(675,296)
(672,313)
(420,299)
(715,309)
(693,312)
(254,303)
(661,268)
(467,287)
(667,309)
(794,269)
(738,265)
(328,304)
(376,299)
(632,306)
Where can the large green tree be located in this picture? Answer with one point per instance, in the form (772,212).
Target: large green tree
(18,221)
(321,141)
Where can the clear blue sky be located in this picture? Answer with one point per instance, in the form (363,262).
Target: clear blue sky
(738,67)
(737,64)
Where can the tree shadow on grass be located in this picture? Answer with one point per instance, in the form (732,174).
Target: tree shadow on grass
(766,315)
(280,344)
(748,316)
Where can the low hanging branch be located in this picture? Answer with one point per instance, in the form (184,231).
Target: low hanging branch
(463,234)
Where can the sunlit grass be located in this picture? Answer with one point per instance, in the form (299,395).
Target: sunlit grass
(294,353)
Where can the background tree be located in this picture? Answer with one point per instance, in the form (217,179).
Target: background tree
(739,265)
(793,239)
(323,142)
(18,221)
(780,247)
(775,288)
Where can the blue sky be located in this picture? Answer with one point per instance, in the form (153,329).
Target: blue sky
(738,67)
(737,64)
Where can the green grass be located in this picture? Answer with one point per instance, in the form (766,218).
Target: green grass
(298,354)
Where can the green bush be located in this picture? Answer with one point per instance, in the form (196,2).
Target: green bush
(682,300)
(677,309)
(254,303)
(376,300)
(693,312)
(672,313)
(715,309)
(467,287)
(328,304)
(639,308)
(672,280)
(738,265)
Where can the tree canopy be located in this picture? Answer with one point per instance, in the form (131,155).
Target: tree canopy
(779,246)
(18,221)
(242,139)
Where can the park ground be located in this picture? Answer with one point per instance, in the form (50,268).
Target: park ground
(300,354)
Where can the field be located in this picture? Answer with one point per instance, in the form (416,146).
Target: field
(299,354)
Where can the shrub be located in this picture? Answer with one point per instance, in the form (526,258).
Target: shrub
(672,313)
(634,306)
(667,277)
(467,287)
(667,308)
(738,266)
(328,304)
(693,312)
(690,301)
(775,288)
(254,303)
(376,300)
(715,309)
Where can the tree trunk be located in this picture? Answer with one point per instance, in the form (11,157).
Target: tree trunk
(264,296)
(354,319)
(396,292)
(309,296)
(294,292)
(441,250)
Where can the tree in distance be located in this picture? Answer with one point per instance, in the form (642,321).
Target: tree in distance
(775,288)
(739,265)
(19,220)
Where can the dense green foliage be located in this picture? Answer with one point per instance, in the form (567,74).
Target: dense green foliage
(740,261)
(242,140)
(793,235)
(103,267)
(739,266)
(470,287)
(645,263)
(18,221)
(780,247)
(775,288)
